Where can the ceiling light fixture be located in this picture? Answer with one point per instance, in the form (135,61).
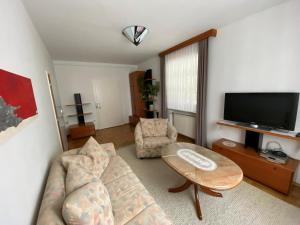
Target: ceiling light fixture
(135,34)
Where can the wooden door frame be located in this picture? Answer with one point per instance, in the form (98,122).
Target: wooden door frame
(54,110)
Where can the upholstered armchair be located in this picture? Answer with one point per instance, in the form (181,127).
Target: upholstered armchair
(151,135)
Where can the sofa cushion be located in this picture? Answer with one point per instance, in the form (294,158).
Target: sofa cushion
(88,205)
(122,186)
(116,168)
(152,215)
(128,198)
(154,142)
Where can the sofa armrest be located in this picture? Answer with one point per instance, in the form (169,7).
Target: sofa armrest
(109,148)
(172,132)
(138,135)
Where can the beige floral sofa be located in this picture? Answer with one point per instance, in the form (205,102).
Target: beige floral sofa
(113,195)
(151,135)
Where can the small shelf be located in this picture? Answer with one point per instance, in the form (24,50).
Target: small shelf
(150,79)
(83,114)
(87,103)
(271,133)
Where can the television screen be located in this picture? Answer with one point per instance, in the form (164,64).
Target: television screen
(276,110)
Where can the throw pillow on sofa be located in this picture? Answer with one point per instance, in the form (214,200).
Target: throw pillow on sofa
(85,167)
(88,205)
(78,174)
(94,150)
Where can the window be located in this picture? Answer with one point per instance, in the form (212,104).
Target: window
(181,79)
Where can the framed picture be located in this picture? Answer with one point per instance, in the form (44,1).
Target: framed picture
(17,102)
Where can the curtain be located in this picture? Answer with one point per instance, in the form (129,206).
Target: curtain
(164,111)
(181,74)
(201,135)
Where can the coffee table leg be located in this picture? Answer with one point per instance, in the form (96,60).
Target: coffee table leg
(210,192)
(183,187)
(197,202)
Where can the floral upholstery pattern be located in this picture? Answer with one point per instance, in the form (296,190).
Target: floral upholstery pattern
(161,127)
(93,150)
(154,142)
(130,201)
(154,127)
(116,168)
(89,204)
(172,133)
(86,166)
(147,147)
(148,127)
(78,175)
(149,217)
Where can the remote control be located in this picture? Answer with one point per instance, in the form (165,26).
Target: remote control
(298,134)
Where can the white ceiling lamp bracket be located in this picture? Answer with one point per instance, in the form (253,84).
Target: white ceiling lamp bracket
(135,34)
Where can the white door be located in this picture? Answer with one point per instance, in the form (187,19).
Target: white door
(109,103)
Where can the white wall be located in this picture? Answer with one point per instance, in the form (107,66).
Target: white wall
(258,53)
(78,77)
(26,155)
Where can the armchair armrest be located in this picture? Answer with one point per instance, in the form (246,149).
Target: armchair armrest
(109,148)
(172,132)
(138,135)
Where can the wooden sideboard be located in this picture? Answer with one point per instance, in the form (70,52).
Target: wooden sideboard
(276,176)
(82,130)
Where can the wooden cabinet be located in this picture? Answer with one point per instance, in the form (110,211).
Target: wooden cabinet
(276,176)
(137,103)
(82,130)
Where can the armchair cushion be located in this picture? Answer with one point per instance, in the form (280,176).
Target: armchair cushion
(154,127)
(148,127)
(154,142)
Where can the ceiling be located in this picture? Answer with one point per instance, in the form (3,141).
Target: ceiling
(90,31)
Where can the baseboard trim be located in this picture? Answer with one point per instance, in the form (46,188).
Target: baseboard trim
(113,126)
(186,136)
(296,184)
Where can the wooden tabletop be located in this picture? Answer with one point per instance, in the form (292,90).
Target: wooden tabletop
(227,174)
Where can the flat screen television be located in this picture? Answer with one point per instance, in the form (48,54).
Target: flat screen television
(274,110)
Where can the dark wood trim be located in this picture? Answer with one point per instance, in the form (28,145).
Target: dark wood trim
(181,188)
(276,134)
(199,37)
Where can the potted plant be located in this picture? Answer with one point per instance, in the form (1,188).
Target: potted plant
(149,90)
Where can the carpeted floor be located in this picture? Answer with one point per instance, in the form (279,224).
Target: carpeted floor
(242,205)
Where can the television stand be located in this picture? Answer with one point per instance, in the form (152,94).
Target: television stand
(275,133)
(276,176)
(253,139)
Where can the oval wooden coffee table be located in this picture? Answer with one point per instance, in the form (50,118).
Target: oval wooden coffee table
(217,172)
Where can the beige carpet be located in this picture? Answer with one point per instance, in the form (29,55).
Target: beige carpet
(243,205)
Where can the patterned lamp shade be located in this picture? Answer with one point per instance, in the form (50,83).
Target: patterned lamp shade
(135,34)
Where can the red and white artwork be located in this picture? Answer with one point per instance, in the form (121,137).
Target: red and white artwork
(17,101)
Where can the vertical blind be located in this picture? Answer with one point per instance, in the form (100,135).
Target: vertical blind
(181,68)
